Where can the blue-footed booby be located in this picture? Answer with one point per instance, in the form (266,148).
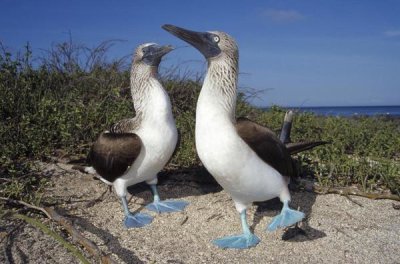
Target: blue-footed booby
(246,159)
(136,149)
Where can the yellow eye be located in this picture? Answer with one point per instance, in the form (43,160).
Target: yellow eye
(216,39)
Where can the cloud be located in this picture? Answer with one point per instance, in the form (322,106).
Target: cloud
(392,33)
(282,15)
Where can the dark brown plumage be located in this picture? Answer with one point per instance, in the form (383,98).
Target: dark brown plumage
(269,147)
(113,153)
(266,144)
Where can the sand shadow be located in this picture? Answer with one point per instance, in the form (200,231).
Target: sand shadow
(178,184)
(301,200)
(196,177)
(109,240)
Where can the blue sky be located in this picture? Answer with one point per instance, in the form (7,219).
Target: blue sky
(299,53)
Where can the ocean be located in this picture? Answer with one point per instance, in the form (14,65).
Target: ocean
(349,111)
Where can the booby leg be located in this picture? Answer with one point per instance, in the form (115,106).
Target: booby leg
(165,206)
(134,220)
(287,217)
(245,240)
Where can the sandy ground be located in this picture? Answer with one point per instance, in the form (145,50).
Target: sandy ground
(336,230)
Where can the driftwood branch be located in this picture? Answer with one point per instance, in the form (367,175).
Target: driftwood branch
(346,191)
(90,246)
(26,205)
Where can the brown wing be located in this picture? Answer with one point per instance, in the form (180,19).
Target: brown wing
(266,144)
(113,153)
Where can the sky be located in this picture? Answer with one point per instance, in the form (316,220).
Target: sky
(292,53)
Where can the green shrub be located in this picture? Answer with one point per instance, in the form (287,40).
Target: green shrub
(363,150)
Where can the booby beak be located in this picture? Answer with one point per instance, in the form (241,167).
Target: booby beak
(205,42)
(153,53)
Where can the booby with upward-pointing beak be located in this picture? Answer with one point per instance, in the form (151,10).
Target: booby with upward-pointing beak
(136,149)
(246,159)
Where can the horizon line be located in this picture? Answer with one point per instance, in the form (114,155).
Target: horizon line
(328,106)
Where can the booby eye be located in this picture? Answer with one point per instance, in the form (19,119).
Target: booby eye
(216,39)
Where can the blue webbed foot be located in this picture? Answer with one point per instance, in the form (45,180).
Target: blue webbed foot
(237,241)
(287,217)
(167,206)
(137,220)
(245,240)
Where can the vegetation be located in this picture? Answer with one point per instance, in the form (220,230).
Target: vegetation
(364,151)
(72,93)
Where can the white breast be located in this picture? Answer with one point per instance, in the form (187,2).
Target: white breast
(229,159)
(159,137)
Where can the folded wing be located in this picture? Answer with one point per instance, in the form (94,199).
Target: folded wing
(266,145)
(113,153)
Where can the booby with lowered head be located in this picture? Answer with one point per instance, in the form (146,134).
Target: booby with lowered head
(246,160)
(136,149)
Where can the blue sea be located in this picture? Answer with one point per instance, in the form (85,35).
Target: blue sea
(349,111)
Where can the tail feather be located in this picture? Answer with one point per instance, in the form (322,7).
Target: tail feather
(284,137)
(297,147)
(84,169)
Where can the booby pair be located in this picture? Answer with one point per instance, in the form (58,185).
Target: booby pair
(136,149)
(245,158)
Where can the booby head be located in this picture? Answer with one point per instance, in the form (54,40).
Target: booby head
(212,44)
(150,53)
(222,56)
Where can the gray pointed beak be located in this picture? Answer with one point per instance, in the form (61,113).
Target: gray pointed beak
(163,50)
(153,54)
(200,40)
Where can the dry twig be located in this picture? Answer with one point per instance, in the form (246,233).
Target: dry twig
(346,191)
(90,246)
(34,222)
